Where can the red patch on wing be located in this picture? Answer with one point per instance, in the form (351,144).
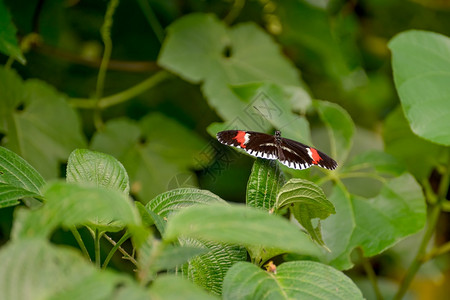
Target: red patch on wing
(240,138)
(315,156)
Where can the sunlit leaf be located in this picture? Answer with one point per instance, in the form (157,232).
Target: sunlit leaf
(421,65)
(200,48)
(307,202)
(292,280)
(98,169)
(373,224)
(69,204)
(340,127)
(240,225)
(38,123)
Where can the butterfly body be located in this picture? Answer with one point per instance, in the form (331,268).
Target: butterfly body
(290,153)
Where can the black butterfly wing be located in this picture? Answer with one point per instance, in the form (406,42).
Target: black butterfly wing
(300,156)
(254,143)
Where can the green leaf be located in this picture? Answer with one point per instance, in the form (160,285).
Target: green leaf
(264,183)
(398,136)
(98,169)
(293,280)
(340,127)
(174,288)
(8,40)
(167,203)
(38,123)
(35,269)
(70,205)
(307,201)
(373,224)
(200,48)
(208,270)
(17,179)
(151,157)
(421,65)
(236,224)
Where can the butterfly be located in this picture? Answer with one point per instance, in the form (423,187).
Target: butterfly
(290,153)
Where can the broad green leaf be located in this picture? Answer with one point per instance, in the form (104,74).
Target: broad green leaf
(373,224)
(398,137)
(17,179)
(307,202)
(35,269)
(264,183)
(98,169)
(292,280)
(38,123)
(153,151)
(236,224)
(208,270)
(69,204)
(421,65)
(166,203)
(340,128)
(8,40)
(200,48)
(174,288)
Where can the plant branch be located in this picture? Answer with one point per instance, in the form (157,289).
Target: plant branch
(80,242)
(123,251)
(370,274)
(432,221)
(152,19)
(115,248)
(106,38)
(122,96)
(234,11)
(437,251)
(97,236)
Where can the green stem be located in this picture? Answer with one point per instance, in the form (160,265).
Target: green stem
(9,62)
(125,254)
(421,256)
(418,259)
(97,237)
(152,19)
(106,38)
(133,91)
(80,242)
(370,274)
(234,11)
(115,248)
(122,96)
(437,251)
